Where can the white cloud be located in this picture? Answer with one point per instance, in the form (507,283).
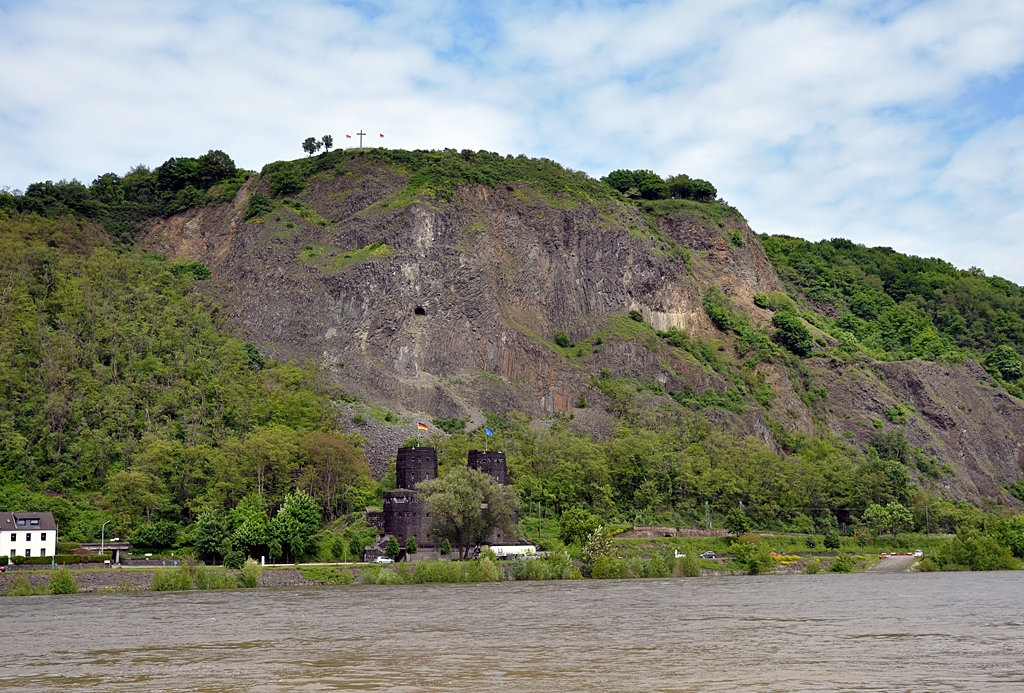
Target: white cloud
(817,119)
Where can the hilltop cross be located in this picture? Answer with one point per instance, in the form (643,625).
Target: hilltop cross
(360,133)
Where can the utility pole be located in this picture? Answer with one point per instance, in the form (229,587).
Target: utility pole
(707,514)
(360,133)
(103,535)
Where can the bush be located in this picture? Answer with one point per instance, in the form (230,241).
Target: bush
(832,539)
(972,550)
(606,568)
(21,587)
(812,566)
(234,560)
(249,575)
(792,334)
(259,204)
(62,582)
(927,566)
(636,315)
(437,571)
(3,560)
(485,570)
(755,558)
(688,565)
(576,525)
(842,564)
(562,339)
(169,580)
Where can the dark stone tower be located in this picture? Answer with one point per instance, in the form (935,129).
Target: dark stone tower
(491,463)
(406,516)
(414,465)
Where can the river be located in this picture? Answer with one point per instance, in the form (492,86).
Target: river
(909,632)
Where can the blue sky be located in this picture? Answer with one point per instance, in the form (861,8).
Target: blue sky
(890,123)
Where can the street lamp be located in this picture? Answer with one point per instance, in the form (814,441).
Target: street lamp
(103,528)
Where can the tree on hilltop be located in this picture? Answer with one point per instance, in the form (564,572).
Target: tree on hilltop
(328,142)
(311,145)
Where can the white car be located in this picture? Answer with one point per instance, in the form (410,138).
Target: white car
(918,553)
(382,559)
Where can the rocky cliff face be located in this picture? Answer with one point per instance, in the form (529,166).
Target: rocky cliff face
(448,308)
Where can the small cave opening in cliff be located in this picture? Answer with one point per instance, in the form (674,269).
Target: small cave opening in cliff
(420,310)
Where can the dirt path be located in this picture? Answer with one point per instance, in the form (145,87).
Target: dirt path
(894,564)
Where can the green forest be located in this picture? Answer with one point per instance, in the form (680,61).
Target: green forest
(126,395)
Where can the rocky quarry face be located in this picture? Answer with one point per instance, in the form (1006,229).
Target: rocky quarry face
(446,309)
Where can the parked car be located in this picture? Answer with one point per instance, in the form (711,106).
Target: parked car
(382,559)
(918,553)
(3,569)
(708,554)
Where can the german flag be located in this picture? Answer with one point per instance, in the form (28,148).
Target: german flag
(422,427)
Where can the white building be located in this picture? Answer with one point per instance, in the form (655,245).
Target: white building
(27,534)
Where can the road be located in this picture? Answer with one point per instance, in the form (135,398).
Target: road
(894,564)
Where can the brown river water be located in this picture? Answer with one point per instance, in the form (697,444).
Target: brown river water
(899,632)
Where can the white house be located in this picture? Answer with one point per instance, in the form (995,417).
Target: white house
(27,534)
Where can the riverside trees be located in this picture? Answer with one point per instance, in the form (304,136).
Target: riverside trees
(466,505)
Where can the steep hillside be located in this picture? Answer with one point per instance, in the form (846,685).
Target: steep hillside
(198,340)
(438,283)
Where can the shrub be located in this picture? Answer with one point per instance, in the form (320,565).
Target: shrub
(259,204)
(688,565)
(972,550)
(446,547)
(792,334)
(168,580)
(218,580)
(576,525)
(234,560)
(842,564)
(606,567)
(755,558)
(201,577)
(62,582)
(811,542)
(392,549)
(21,587)
(437,571)
(927,566)
(249,575)
(832,539)
(636,315)
(485,570)
(812,566)
(562,339)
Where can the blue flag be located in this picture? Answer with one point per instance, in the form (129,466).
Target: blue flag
(488,431)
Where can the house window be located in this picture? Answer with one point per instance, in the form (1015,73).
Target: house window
(42,536)
(28,553)
(22,523)
(34,523)
(42,552)
(28,536)
(14,536)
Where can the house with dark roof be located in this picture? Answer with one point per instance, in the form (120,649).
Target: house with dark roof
(30,534)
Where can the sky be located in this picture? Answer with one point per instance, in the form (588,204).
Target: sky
(896,123)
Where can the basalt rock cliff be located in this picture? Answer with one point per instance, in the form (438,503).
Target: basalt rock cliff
(446,305)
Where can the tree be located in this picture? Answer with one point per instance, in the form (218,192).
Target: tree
(295,525)
(328,142)
(213,533)
(446,548)
(269,455)
(214,166)
(832,539)
(156,535)
(250,526)
(334,462)
(894,518)
(1005,362)
(410,546)
(355,547)
(135,493)
(737,522)
(311,145)
(466,505)
(576,525)
(599,543)
(792,334)
(392,550)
